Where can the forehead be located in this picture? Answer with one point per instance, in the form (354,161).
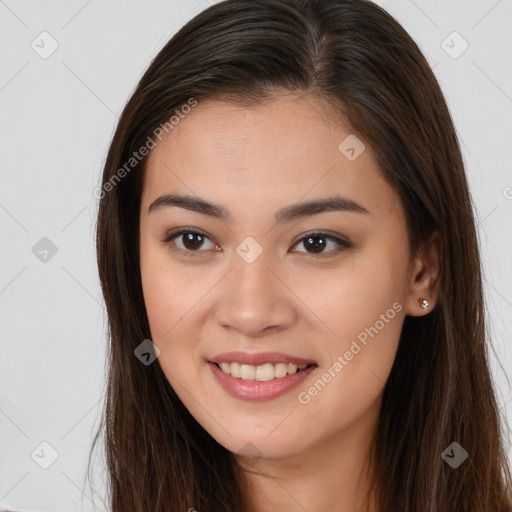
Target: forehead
(278,153)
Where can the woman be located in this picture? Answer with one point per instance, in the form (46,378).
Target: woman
(288,255)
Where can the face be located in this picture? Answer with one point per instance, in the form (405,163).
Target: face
(271,282)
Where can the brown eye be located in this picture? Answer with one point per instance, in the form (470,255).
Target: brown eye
(315,243)
(188,241)
(192,241)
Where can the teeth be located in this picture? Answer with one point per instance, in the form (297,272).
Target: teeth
(260,373)
(264,372)
(234,369)
(292,368)
(247,372)
(280,370)
(226,367)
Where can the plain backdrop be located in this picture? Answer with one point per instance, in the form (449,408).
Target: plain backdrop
(67,70)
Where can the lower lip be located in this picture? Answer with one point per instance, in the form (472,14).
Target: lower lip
(253,390)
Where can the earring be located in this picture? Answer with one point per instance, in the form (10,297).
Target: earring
(424,304)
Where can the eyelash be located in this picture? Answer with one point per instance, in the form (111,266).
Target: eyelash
(342,244)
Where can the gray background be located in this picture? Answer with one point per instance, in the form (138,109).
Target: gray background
(57,117)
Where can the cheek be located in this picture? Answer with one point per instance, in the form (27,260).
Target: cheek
(174,296)
(363,312)
(350,386)
(346,302)
(167,309)
(169,292)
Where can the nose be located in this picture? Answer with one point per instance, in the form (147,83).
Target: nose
(255,300)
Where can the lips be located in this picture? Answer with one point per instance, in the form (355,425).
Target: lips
(256,391)
(259,358)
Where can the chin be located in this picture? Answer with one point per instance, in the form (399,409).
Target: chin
(259,446)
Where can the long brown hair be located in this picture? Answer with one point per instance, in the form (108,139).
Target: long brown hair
(356,57)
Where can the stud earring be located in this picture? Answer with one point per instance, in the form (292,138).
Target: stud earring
(424,304)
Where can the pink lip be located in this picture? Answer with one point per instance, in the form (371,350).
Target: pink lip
(257,359)
(252,390)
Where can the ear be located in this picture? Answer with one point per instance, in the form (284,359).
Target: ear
(425,278)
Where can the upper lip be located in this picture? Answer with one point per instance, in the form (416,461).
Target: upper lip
(259,358)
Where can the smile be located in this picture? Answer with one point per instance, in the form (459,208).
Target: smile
(250,388)
(261,373)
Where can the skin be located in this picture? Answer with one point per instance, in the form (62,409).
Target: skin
(290,299)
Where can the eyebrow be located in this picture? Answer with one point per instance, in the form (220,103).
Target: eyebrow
(287,214)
